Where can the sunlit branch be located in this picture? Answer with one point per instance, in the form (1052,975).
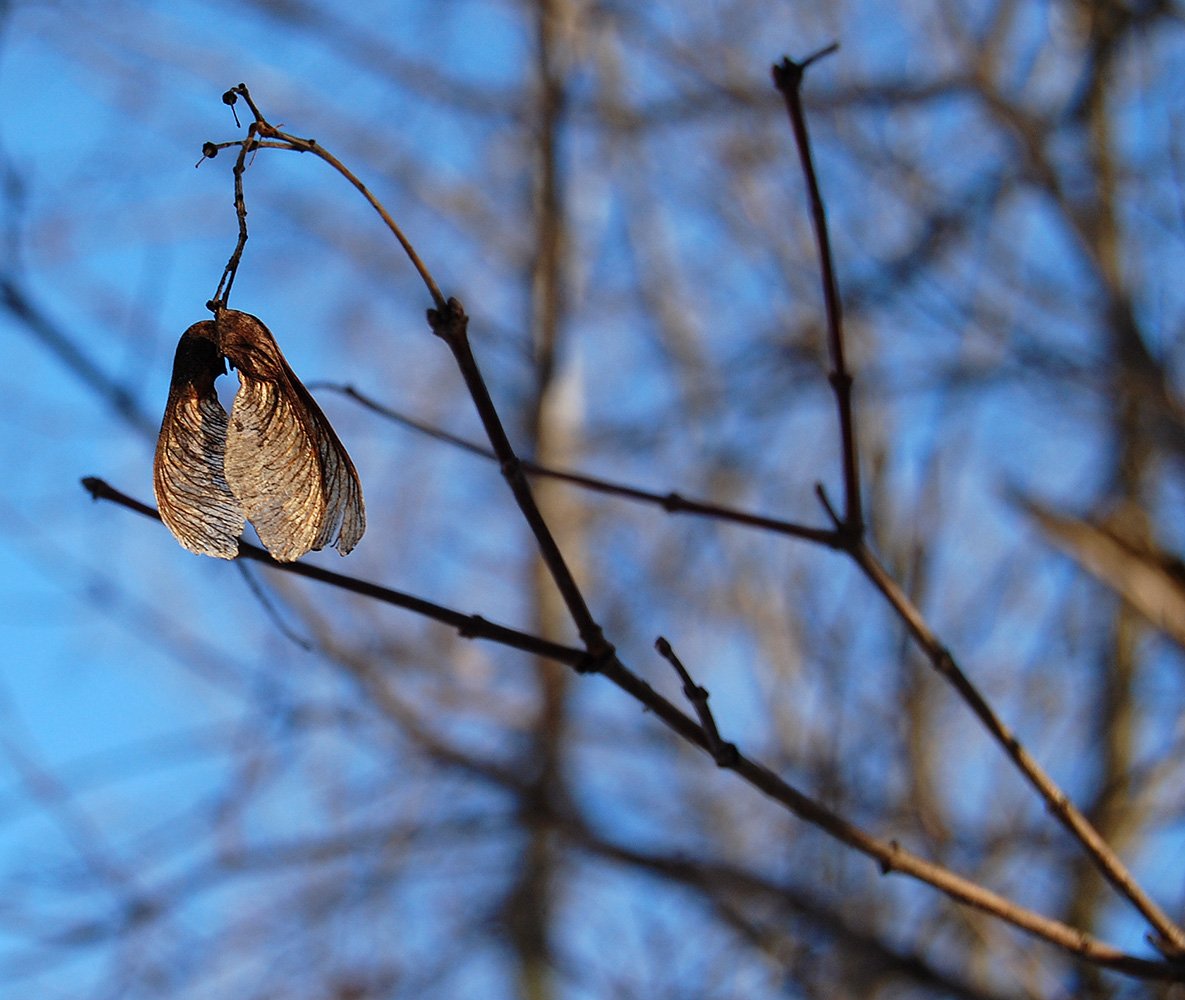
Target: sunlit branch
(1172,940)
(940,657)
(890,856)
(282,140)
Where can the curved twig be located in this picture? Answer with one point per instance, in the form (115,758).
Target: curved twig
(282,140)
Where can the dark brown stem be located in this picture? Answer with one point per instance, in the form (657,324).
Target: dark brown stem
(673,503)
(888,854)
(468,626)
(222,293)
(940,658)
(452,325)
(788,76)
(282,140)
(725,754)
(788,79)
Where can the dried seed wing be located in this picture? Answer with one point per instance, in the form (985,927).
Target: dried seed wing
(345,512)
(272,467)
(192,494)
(283,461)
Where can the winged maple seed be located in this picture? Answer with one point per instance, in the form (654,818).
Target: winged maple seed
(275,462)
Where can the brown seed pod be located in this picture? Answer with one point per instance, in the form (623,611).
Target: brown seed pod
(275,462)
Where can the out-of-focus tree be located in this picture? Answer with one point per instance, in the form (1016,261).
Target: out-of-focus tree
(226,781)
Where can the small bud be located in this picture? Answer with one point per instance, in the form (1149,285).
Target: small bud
(229,99)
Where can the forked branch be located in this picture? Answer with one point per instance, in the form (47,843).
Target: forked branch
(448,321)
(1170,939)
(889,855)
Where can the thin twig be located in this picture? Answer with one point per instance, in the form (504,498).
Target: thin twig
(468,626)
(449,322)
(1170,939)
(788,79)
(937,654)
(674,503)
(452,325)
(890,855)
(282,140)
(725,754)
(222,293)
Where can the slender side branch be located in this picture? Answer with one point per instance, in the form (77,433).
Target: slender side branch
(1171,941)
(725,754)
(251,143)
(452,326)
(285,141)
(788,79)
(674,503)
(938,655)
(468,626)
(888,854)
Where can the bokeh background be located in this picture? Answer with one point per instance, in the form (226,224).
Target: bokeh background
(220,781)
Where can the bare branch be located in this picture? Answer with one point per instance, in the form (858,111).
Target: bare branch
(788,77)
(890,855)
(672,502)
(1172,939)
(725,754)
(285,141)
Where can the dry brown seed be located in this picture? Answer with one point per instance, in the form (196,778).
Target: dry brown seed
(276,462)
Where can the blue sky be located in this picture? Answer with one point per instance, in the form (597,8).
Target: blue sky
(141,684)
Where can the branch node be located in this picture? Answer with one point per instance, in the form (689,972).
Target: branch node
(594,661)
(450,322)
(229,99)
(886,863)
(512,468)
(472,627)
(673,502)
(788,74)
(1167,948)
(94,486)
(209,151)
